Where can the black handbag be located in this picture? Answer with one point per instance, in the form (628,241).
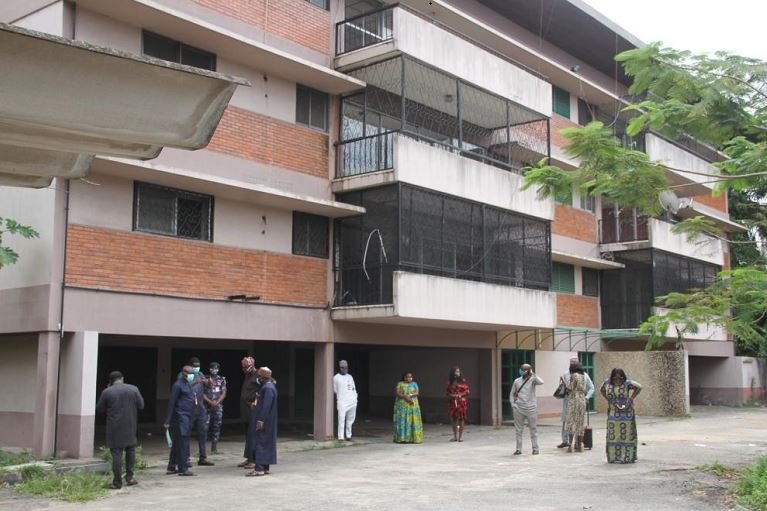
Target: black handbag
(561,391)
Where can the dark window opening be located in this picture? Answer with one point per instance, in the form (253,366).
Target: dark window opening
(590,280)
(171,212)
(311,108)
(310,235)
(161,47)
(560,101)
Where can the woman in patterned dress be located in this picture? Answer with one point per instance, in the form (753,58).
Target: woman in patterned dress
(457,402)
(621,420)
(408,425)
(576,407)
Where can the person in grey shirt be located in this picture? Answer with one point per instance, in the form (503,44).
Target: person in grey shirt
(589,393)
(525,406)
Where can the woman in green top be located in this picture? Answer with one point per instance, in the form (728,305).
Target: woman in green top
(408,426)
(621,420)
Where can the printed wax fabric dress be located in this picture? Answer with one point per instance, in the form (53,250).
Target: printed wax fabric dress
(408,425)
(621,422)
(458,408)
(576,405)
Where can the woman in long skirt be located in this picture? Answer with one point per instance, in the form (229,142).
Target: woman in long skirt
(576,407)
(408,425)
(621,419)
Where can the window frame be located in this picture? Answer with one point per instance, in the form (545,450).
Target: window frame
(312,94)
(555,101)
(325,4)
(307,253)
(588,202)
(179,50)
(178,193)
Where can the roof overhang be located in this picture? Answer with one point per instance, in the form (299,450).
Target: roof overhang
(222,187)
(694,209)
(587,262)
(192,30)
(62,101)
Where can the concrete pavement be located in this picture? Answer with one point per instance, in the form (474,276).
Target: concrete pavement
(478,474)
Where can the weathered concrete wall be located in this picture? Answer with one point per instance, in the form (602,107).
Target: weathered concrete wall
(664,376)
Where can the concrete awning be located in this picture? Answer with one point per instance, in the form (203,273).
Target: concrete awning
(694,209)
(222,187)
(234,46)
(62,100)
(586,262)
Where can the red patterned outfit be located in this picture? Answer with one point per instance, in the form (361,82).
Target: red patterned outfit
(458,407)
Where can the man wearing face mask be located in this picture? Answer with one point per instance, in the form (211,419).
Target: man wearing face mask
(346,400)
(248,399)
(525,406)
(200,415)
(589,392)
(215,393)
(178,420)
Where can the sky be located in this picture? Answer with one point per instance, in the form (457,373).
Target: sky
(738,26)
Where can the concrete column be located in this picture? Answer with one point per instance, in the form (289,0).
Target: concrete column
(489,386)
(323,391)
(77,396)
(44,424)
(164,370)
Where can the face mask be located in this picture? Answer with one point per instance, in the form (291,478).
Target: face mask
(457,374)
(521,372)
(258,380)
(190,377)
(196,370)
(214,372)
(344,370)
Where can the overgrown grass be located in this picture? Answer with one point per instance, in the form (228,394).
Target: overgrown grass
(141,461)
(751,490)
(8,459)
(71,486)
(721,470)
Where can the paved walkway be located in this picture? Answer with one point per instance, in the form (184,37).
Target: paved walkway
(478,474)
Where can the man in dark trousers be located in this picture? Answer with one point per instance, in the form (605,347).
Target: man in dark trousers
(200,414)
(178,420)
(248,399)
(121,403)
(262,428)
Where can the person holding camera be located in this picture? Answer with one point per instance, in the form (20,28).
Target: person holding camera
(525,406)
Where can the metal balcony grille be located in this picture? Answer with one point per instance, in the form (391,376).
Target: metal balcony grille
(628,295)
(417,100)
(622,226)
(422,231)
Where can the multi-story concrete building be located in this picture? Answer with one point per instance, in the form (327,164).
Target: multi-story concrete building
(362,200)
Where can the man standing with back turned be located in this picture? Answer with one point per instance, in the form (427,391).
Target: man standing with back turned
(121,402)
(346,400)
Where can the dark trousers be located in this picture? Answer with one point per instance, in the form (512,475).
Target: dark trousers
(200,423)
(265,468)
(117,463)
(179,452)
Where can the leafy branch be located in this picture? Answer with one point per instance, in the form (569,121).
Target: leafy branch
(10,226)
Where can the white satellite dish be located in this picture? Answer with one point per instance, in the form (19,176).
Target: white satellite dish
(669,201)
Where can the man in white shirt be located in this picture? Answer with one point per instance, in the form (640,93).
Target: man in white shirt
(525,406)
(589,393)
(346,400)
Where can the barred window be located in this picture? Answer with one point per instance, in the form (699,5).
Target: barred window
(161,47)
(590,278)
(311,108)
(310,235)
(172,212)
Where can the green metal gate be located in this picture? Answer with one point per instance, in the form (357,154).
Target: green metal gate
(586,359)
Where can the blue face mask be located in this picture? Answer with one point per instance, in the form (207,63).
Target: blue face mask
(521,372)
(196,370)
(190,377)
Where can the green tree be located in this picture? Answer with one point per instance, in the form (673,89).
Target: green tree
(720,100)
(9,226)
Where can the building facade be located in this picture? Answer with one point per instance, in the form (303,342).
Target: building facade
(361,200)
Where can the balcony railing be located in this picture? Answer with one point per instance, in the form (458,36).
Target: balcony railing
(365,30)
(366,154)
(622,228)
